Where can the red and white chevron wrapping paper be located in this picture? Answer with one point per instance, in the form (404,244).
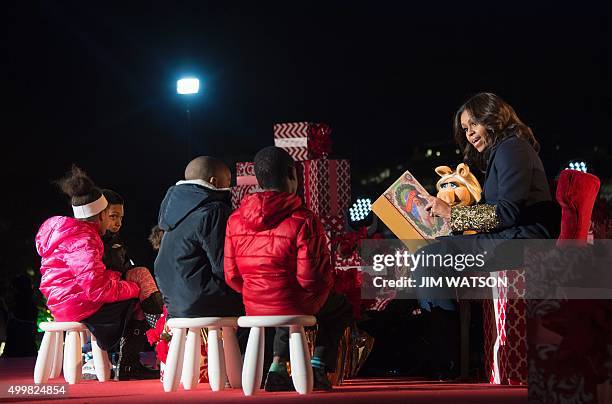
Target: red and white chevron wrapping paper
(505,328)
(240,191)
(296,138)
(325,185)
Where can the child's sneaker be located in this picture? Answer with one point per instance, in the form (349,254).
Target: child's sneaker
(88,371)
(321,382)
(278,381)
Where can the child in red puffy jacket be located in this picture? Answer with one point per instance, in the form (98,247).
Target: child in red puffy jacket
(75,281)
(276,256)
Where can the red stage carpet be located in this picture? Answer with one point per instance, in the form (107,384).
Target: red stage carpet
(370,391)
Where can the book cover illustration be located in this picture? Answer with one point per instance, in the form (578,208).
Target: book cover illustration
(404,195)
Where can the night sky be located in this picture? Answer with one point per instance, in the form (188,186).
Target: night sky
(94,83)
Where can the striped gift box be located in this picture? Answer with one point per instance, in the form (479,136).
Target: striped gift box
(295,138)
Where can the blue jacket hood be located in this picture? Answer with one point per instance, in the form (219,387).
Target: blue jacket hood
(182,199)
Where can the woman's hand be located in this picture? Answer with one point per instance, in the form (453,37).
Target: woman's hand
(437,207)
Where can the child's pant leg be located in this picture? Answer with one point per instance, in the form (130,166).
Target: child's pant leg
(333,318)
(142,277)
(281,343)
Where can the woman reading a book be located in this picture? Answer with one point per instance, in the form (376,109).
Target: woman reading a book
(516,201)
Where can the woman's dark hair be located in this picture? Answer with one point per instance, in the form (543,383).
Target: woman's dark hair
(500,120)
(79,187)
(112,197)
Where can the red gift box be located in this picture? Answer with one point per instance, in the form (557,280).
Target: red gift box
(325,185)
(245,173)
(353,261)
(303,140)
(244,169)
(246,180)
(240,191)
(334,224)
(505,328)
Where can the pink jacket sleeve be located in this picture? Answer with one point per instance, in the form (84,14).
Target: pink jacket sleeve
(98,284)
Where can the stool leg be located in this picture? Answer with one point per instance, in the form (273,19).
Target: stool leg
(44,360)
(301,369)
(73,360)
(191,363)
(174,362)
(101,362)
(58,358)
(223,369)
(216,377)
(233,360)
(83,338)
(253,361)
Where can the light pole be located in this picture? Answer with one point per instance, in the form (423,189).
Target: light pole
(188,87)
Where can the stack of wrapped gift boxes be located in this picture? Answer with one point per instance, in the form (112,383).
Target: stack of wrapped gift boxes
(324,184)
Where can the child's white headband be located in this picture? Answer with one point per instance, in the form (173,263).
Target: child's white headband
(90,209)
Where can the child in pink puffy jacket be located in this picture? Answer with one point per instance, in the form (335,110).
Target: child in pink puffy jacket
(75,281)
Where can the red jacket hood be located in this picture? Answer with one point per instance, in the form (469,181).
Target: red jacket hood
(265,210)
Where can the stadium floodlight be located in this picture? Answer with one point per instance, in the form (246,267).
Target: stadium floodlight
(188,85)
(578,165)
(360,209)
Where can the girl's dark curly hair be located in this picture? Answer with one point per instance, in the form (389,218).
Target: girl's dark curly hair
(79,187)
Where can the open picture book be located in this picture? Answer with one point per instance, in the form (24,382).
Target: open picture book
(402,208)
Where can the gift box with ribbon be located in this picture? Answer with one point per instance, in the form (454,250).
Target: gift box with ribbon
(325,185)
(245,173)
(505,329)
(245,168)
(240,191)
(160,336)
(334,225)
(353,261)
(303,140)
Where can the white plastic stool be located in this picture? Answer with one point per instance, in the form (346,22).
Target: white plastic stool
(51,352)
(183,362)
(299,356)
